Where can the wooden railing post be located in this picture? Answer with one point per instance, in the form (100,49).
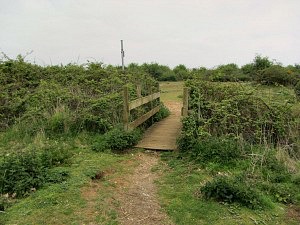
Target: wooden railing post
(139,90)
(185,106)
(130,105)
(126,111)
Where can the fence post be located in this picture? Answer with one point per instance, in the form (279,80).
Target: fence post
(126,112)
(185,106)
(139,90)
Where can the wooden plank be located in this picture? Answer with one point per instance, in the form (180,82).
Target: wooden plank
(141,101)
(126,110)
(143,118)
(185,106)
(162,135)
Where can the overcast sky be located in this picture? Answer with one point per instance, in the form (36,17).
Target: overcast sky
(191,32)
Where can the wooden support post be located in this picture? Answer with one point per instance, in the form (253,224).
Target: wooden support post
(126,111)
(139,90)
(151,93)
(185,106)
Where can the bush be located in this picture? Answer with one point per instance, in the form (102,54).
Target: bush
(296,179)
(20,172)
(214,149)
(68,98)
(55,155)
(226,189)
(274,170)
(297,90)
(276,74)
(116,139)
(162,113)
(229,110)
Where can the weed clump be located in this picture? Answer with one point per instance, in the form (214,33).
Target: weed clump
(227,189)
(214,149)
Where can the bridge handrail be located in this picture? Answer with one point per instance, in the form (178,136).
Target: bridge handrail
(129,105)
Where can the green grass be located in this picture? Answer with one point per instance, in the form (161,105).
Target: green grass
(171,91)
(64,203)
(178,191)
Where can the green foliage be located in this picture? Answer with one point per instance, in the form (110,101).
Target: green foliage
(232,130)
(20,172)
(260,63)
(181,72)
(231,110)
(297,90)
(62,99)
(161,72)
(55,155)
(4,204)
(296,179)
(116,139)
(23,171)
(227,189)
(229,72)
(162,113)
(213,149)
(284,192)
(276,74)
(57,175)
(64,199)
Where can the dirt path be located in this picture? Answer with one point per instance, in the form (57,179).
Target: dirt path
(133,194)
(137,197)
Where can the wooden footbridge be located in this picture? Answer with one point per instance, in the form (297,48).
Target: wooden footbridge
(161,135)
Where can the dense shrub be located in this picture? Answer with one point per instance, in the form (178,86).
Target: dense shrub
(231,130)
(67,98)
(230,110)
(162,113)
(55,155)
(276,74)
(227,189)
(24,171)
(116,139)
(214,149)
(20,172)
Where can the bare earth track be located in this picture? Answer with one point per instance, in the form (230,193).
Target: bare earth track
(137,197)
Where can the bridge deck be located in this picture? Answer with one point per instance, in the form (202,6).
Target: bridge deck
(163,134)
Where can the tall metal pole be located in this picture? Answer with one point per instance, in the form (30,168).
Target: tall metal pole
(122,55)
